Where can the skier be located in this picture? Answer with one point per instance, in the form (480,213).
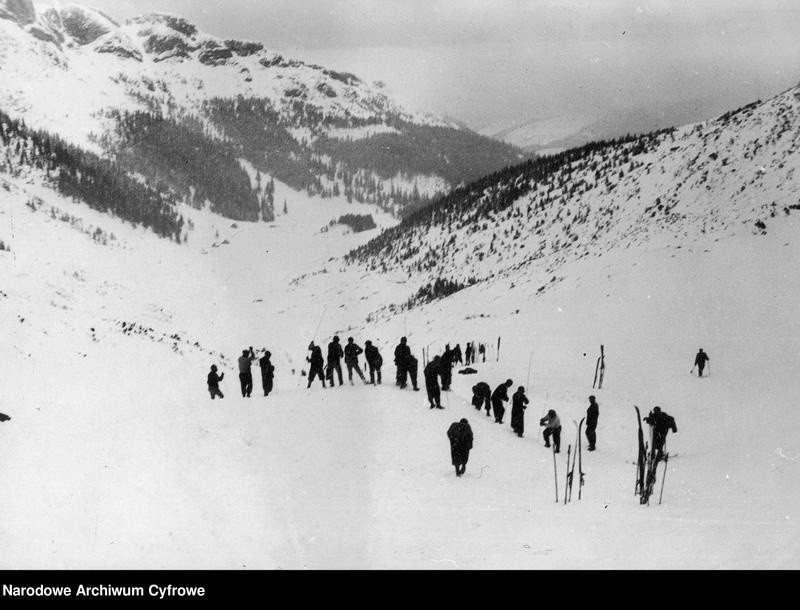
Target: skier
(482,397)
(457,354)
(499,396)
(335,354)
(213,382)
(661,423)
(518,402)
(460,435)
(267,372)
(351,352)
(317,361)
(592,415)
(552,425)
(700,361)
(468,354)
(431,374)
(374,361)
(245,376)
(446,368)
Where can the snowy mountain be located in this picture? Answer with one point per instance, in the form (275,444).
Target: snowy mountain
(76,73)
(733,173)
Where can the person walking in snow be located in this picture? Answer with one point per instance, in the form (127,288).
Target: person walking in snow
(482,397)
(700,361)
(552,428)
(351,352)
(335,355)
(431,374)
(661,423)
(518,405)
(317,361)
(245,376)
(213,382)
(374,361)
(499,396)
(592,415)
(460,436)
(267,372)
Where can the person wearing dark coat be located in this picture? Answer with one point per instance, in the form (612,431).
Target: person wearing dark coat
(468,354)
(552,428)
(482,351)
(267,372)
(482,397)
(518,406)
(499,396)
(245,376)
(317,362)
(335,355)
(446,368)
(592,415)
(374,361)
(351,352)
(407,365)
(431,374)
(213,382)
(700,361)
(661,424)
(460,436)
(457,354)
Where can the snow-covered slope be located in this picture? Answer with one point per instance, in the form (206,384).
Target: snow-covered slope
(116,458)
(735,174)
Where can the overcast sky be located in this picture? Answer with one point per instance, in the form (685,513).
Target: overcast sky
(496,61)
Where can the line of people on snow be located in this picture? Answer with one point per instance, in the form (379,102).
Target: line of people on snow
(245,374)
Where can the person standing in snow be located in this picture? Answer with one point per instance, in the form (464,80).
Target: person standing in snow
(374,361)
(351,352)
(245,376)
(482,397)
(431,374)
(518,406)
(446,368)
(552,428)
(592,415)
(317,361)
(407,365)
(700,361)
(482,351)
(468,353)
(457,358)
(460,436)
(213,382)
(661,424)
(499,396)
(267,372)
(335,354)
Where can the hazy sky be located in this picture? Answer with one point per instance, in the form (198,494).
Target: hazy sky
(494,61)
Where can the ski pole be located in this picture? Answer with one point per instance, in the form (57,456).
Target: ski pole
(566,482)
(663,477)
(555,471)
(544,409)
(528,383)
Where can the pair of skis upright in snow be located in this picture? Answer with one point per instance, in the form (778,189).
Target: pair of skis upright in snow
(647,466)
(576,457)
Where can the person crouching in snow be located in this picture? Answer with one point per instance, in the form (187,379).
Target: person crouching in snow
(552,427)
(460,435)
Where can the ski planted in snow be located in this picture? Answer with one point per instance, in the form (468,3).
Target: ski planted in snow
(640,460)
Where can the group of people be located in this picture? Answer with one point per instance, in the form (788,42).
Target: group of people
(245,374)
(325,369)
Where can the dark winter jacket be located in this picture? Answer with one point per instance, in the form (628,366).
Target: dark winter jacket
(335,352)
(214,379)
(701,359)
(460,436)
(500,393)
(518,402)
(592,415)
(431,373)
(267,370)
(244,363)
(661,422)
(351,352)
(402,354)
(316,356)
(482,390)
(373,356)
